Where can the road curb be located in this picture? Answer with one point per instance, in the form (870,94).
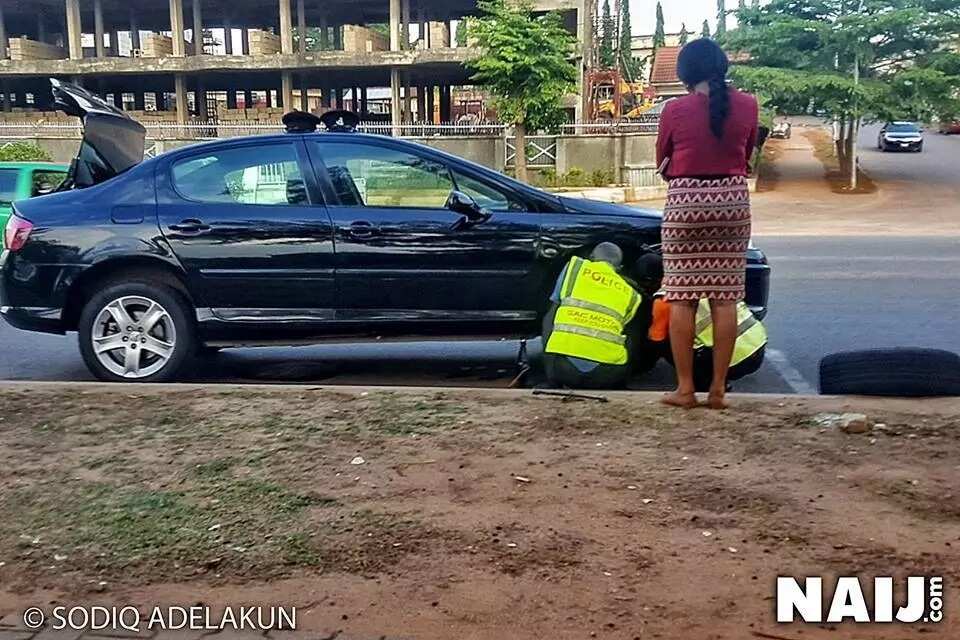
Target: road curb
(915,405)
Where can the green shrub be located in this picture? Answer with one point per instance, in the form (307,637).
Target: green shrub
(575,178)
(23,152)
(547,177)
(601,177)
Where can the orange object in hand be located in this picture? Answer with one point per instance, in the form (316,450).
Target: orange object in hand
(660,324)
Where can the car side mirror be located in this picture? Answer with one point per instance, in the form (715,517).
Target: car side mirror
(460,202)
(44,189)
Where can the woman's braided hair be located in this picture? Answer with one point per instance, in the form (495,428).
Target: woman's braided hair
(703,60)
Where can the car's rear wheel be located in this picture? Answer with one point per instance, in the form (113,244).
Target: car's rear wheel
(136,332)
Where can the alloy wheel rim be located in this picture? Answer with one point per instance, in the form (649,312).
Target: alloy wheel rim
(133,337)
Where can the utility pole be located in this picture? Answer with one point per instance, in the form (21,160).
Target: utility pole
(855,125)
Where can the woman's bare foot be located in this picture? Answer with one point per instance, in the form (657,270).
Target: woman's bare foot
(678,399)
(717,401)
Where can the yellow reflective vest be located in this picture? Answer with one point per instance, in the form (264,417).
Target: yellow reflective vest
(750,332)
(596,303)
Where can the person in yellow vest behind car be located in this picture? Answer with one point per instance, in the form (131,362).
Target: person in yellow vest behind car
(585,330)
(748,350)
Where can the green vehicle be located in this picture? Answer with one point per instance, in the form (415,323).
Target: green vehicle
(22,180)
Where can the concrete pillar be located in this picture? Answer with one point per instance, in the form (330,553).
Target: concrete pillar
(324,33)
(41,27)
(115,43)
(98,28)
(244,41)
(422,26)
(134,31)
(394,25)
(160,100)
(180,97)
(422,104)
(74,30)
(269,98)
(445,114)
(302,32)
(176,29)
(200,99)
(396,112)
(197,28)
(354,101)
(4,94)
(248,98)
(338,94)
(139,101)
(286,27)
(364,111)
(118,99)
(231,99)
(3,36)
(286,90)
(228,37)
(407,99)
(405,24)
(338,37)
(304,93)
(431,103)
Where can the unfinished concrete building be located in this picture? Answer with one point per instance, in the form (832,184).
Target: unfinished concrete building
(247,59)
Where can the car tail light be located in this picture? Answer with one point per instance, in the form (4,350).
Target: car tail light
(17,231)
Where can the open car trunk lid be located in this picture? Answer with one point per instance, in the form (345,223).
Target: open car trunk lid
(112,141)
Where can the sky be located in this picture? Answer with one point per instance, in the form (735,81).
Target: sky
(643,14)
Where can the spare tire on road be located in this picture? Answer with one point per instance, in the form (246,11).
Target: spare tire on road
(904,372)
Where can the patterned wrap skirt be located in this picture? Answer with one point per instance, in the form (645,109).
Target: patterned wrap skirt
(706,231)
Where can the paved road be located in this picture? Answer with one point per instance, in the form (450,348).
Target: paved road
(934,173)
(828,294)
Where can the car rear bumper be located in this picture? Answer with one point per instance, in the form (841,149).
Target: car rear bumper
(42,319)
(31,296)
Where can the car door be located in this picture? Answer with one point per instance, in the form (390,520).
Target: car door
(402,255)
(243,223)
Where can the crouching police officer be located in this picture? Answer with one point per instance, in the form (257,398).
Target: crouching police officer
(584,333)
(748,350)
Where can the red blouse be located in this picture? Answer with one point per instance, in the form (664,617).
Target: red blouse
(686,139)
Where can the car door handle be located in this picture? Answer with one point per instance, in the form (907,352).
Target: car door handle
(190,225)
(362,229)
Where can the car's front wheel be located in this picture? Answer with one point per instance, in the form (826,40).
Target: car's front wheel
(136,332)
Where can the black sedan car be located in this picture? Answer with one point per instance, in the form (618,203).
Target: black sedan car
(287,238)
(900,136)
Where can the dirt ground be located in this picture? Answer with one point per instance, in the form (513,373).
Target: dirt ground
(470,514)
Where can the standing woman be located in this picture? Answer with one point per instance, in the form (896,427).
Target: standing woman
(704,146)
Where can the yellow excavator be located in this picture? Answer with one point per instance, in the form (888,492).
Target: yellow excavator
(614,98)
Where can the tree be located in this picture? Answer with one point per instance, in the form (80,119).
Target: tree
(525,63)
(684,34)
(721,18)
(461,37)
(659,34)
(886,61)
(629,66)
(705,30)
(607,27)
(23,152)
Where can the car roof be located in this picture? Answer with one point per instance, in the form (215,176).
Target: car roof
(34,165)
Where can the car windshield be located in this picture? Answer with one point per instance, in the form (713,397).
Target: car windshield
(8,185)
(903,127)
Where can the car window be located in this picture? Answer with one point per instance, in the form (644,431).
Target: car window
(8,185)
(366,175)
(487,196)
(904,127)
(263,175)
(46,181)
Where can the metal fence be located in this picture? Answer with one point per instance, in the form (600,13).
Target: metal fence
(209,130)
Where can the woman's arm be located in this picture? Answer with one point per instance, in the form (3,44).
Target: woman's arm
(664,136)
(752,137)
